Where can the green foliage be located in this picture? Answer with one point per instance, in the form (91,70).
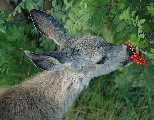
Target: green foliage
(13,40)
(104,100)
(16,35)
(126,94)
(150,9)
(137,23)
(25,4)
(151,55)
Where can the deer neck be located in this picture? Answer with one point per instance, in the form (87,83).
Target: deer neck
(62,86)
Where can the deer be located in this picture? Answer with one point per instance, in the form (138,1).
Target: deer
(66,72)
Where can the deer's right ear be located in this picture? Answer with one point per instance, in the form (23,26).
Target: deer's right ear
(43,61)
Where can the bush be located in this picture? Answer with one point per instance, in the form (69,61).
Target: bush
(124,94)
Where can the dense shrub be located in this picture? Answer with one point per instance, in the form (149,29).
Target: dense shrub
(124,94)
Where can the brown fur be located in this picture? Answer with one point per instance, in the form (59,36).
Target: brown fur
(47,96)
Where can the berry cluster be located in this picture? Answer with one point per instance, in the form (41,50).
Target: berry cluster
(134,56)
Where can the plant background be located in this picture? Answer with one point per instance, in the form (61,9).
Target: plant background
(126,94)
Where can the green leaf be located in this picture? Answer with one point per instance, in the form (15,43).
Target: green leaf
(125,15)
(29,5)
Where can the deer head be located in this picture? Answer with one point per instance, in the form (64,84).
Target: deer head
(78,51)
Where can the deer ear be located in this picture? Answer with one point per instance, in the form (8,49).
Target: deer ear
(48,25)
(43,61)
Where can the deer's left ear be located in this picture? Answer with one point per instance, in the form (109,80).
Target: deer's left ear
(43,61)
